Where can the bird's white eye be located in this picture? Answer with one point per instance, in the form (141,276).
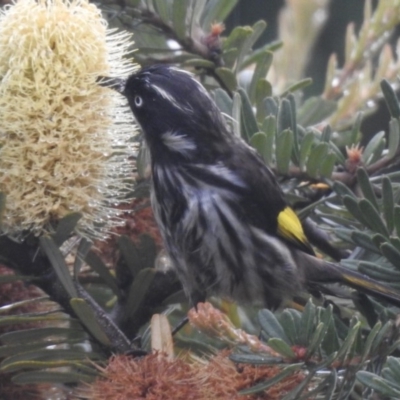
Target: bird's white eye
(138,101)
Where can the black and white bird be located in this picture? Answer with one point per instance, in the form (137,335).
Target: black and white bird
(221,212)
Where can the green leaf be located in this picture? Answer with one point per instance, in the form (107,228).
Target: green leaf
(317,155)
(236,115)
(65,228)
(96,263)
(374,220)
(33,377)
(227,77)
(281,347)
(355,131)
(373,148)
(364,240)
(366,187)
(388,203)
(255,359)
(223,101)
(248,120)
(263,90)
(352,205)
(284,148)
(83,249)
(307,323)
(297,86)
(327,166)
(216,10)
(370,339)
(260,142)
(391,253)
(88,318)
(269,128)
(260,72)
(285,116)
(130,254)
(138,290)
(314,110)
(343,190)
(179,17)
(390,98)
(271,328)
(396,220)
(305,148)
(58,263)
(394,138)
(316,339)
(377,383)
(163,9)
(198,63)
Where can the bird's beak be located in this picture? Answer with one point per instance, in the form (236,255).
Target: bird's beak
(112,83)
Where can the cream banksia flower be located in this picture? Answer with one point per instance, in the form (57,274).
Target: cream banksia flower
(64,140)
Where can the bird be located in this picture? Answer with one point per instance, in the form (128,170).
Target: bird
(222,214)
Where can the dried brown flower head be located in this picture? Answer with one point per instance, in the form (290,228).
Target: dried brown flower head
(63,138)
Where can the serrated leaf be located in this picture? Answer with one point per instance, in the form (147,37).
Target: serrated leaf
(65,228)
(316,156)
(373,147)
(305,148)
(227,77)
(390,98)
(284,148)
(88,318)
(355,130)
(248,119)
(263,90)
(396,220)
(374,220)
(394,138)
(366,187)
(179,8)
(388,203)
(339,155)
(271,326)
(58,263)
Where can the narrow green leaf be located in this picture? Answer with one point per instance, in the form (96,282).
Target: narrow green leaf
(289,322)
(260,142)
(163,9)
(83,249)
(390,98)
(236,115)
(316,339)
(327,166)
(307,323)
(216,10)
(227,77)
(364,240)
(377,383)
(378,272)
(314,110)
(305,148)
(65,228)
(34,377)
(179,17)
(371,215)
(396,220)
(353,206)
(285,117)
(263,90)
(355,131)
(373,147)
(14,278)
(370,339)
(281,347)
(88,318)
(130,254)
(248,121)
(366,187)
(348,342)
(3,198)
(391,253)
(96,263)
(255,359)
(388,203)
(259,73)
(273,381)
(271,327)
(58,263)
(138,291)
(343,190)
(269,128)
(317,155)
(223,101)
(300,85)
(284,148)
(394,137)
(21,319)
(198,63)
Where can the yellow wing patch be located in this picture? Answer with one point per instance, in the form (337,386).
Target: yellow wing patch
(290,228)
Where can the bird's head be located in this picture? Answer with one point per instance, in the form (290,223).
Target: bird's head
(173,109)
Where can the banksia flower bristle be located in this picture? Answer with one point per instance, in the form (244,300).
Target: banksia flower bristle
(64,140)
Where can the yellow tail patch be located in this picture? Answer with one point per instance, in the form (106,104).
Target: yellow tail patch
(290,228)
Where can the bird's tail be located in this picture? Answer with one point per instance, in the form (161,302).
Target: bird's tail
(318,271)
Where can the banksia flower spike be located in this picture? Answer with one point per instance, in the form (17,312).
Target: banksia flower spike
(64,140)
